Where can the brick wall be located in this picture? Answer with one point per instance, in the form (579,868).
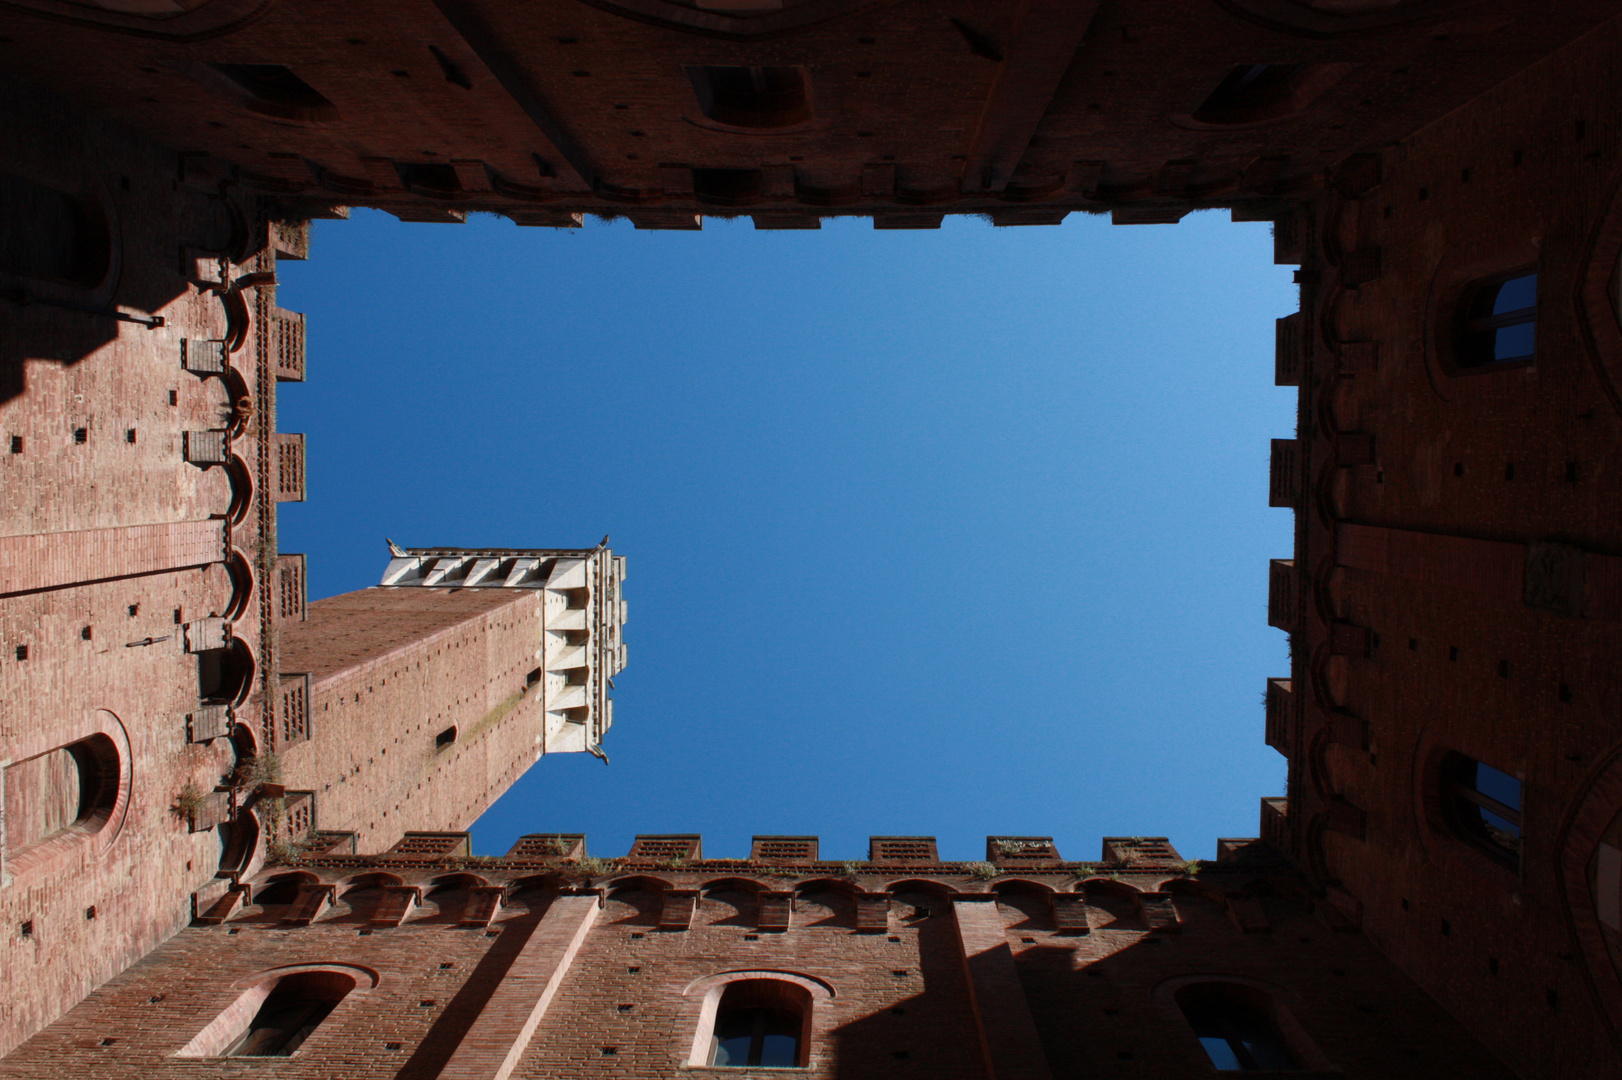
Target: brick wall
(916,109)
(113,542)
(1421,638)
(583,975)
(394,670)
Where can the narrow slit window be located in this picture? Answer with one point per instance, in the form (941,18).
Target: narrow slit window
(445,738)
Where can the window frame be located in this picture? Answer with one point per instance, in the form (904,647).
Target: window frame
(1462,804)
(233,1023)
(713,988)
(1466,325)
(1274,1003)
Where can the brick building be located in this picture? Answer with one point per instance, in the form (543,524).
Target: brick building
(422,962)
(1445,174)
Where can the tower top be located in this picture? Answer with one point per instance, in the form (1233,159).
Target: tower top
(582,615)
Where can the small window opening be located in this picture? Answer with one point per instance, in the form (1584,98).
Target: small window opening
(760,1022)
(753,97)
(1235,1026)
(1483,805)
(445,738)
(1252,93)
(16,444)
(1500,324)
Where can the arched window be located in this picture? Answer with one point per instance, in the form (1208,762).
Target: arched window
(290,1012)
(1483,805)
(72,790)
(277,1013)
(760,1022)
(1235,1025)
(1498,323)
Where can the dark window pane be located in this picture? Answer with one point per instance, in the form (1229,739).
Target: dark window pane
(1501,831)
(732,1051)
(1516,294)
(1220,1053)
(780,1050)
(1498,785)
(1267,1053)
(1513,342)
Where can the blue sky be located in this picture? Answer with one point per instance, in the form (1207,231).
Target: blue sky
(954,533)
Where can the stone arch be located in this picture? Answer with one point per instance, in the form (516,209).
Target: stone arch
(226,675)
(824,902)
(1025,904)
(372,879)
(1588,851)
(240,574)
(1266,1001)
(1599,299)
(241,478)
(445,898)
(281,889)
(240,843)
(922,885)
(635,900)
(737,25)
(729,902)
(1116,902)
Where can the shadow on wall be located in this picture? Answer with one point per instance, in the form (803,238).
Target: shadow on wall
(457,1018)
(931,1034)
(88,256)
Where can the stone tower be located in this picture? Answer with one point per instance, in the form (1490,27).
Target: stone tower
(426,696)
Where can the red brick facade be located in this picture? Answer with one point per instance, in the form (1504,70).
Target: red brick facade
(546,967)
(440,662)
(1458,558)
